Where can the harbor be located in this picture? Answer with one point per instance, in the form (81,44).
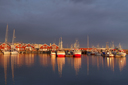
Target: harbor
(58,50)
(63,42)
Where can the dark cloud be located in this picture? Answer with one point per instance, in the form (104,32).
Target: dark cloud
(44,21)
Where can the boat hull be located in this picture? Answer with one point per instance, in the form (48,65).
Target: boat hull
(117,56)
(53,53)
(14,53)
(6,53)
(111,55)
(123,54)
(60,55)
(77,55)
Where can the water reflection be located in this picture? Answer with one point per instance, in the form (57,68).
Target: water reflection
(5,65)
(121,62)
(87,65)
(77,64)
(103,62)
(25,59)
(61,63)
(44,59)
(113,62)
(53,62)
(93,63)
(15,61)
(110,63)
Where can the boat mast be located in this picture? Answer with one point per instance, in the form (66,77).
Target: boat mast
(120,48)
(113,45)
(60,43)
(107,47)
(6,35)
(13,39)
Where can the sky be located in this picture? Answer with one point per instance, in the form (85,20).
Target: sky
(45,21)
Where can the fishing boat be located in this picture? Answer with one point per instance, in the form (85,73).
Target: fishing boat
(77,52)
(117,55)
(60,52)
(53,54)
(123,54)
(13,50)
(121,51)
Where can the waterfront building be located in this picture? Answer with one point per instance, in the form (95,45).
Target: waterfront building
(29,47)
(5,46)
(54,47)
(44,47)
(20,47)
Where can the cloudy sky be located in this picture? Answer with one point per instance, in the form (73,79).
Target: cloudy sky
(45,21)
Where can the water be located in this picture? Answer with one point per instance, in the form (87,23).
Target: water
(32,69)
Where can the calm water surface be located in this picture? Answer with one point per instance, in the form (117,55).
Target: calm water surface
(42,69)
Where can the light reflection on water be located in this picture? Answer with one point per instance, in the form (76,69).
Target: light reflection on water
(77,64)
(59,64)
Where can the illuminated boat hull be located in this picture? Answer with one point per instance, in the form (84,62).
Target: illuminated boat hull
(77,54)
(110,55)
(53,53)
(14,53)
(6,52)
(92,53)
(123,54)
(60,53)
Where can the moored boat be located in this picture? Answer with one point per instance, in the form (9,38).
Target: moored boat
(6,52)
(14,52)
(61,53)
(53,53)
(123,54)
(77,53)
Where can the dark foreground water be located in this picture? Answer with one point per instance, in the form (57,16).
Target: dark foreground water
(42,69)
